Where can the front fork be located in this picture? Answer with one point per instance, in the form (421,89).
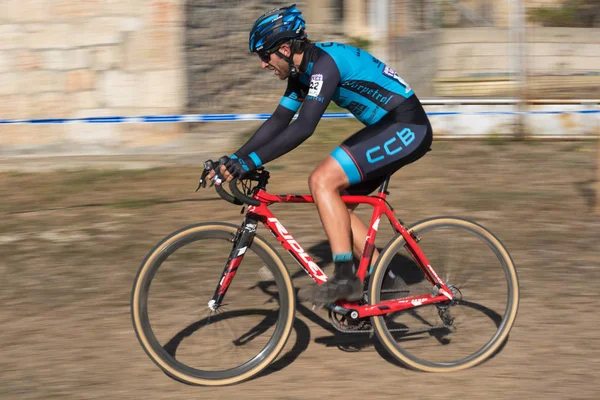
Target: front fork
(241,241)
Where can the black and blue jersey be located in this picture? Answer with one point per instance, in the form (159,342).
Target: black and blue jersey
(350,77)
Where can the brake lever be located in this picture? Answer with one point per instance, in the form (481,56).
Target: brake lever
(208,166)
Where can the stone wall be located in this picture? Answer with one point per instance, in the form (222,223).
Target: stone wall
(561,62)
(72,58)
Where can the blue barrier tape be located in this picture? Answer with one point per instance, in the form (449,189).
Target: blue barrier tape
(249,117)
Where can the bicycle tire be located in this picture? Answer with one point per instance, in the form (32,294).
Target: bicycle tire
(503,326)
(159,355)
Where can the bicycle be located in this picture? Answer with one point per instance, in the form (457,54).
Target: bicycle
(408,327)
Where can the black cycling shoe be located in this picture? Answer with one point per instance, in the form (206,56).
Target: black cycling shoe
(338,288)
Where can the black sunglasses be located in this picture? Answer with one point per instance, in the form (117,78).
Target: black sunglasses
(265,56)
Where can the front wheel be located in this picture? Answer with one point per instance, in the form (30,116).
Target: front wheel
(451,336)
(189,338)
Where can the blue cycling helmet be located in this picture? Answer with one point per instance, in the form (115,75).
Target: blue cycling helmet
(276,26)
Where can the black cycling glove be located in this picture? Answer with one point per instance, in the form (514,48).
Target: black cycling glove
(239,167)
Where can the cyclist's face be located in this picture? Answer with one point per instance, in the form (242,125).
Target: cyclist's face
(275,63)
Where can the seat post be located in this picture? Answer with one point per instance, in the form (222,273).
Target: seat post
(384,185)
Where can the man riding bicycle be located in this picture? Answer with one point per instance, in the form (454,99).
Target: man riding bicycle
(397,131)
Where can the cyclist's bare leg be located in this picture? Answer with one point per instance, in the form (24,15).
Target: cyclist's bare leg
(358,228)
(359,235)
(326,183)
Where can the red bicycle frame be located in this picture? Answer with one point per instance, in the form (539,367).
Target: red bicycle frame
(380,208)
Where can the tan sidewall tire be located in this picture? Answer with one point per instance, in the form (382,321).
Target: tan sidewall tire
(135,307)
(390,251)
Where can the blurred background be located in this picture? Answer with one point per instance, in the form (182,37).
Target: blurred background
(81,204)
(446,48)
(67,59)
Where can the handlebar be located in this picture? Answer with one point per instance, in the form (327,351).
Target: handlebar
(226,196)
(240,196)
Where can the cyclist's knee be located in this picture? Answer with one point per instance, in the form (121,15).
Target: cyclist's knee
(321,182)
(328,176)
(317,181)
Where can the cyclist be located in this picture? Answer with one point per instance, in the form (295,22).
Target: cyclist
(397,131)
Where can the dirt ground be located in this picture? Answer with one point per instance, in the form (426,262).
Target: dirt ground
(71,243)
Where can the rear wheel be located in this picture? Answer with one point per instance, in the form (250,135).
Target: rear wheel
(191,341)
(480,273)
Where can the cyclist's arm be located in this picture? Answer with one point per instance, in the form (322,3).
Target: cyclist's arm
(271,127)
(290,103)
(324,80)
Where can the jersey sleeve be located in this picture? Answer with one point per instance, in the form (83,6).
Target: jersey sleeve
(324,80)
(294,95)
(267,131)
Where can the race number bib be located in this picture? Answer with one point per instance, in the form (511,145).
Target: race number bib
(315,85)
